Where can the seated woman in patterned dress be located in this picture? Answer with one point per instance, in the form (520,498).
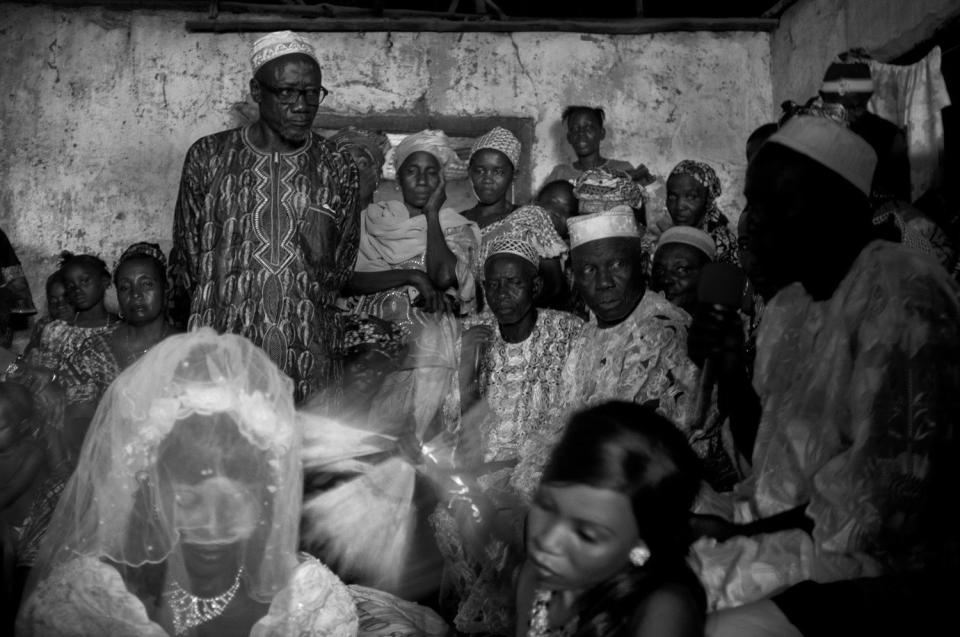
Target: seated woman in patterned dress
(141,282)
(515,359)
(494,160)
(415,268)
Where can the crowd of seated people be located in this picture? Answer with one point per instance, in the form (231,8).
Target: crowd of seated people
(527,417)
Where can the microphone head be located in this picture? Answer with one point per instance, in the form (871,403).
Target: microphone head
(721,284)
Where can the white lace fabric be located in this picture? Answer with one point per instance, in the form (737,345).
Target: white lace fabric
(197,406)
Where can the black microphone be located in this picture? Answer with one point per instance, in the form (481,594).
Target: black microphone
(719,284)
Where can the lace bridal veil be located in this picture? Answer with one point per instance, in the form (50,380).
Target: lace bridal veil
(194,445)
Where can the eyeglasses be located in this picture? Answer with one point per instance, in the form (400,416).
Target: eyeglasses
(290,95)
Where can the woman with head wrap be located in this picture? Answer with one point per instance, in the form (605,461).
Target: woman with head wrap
(141,283)
(493,162)
(692,191)
(368,149)
(182,515)
(681,255)
(415,267)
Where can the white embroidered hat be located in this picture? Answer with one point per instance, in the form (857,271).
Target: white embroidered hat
(832,146)
(619,221)
(278,44)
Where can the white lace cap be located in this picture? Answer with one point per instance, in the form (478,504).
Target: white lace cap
(616,222)
(278,44)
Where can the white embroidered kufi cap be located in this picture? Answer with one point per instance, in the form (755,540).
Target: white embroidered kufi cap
(689,236)
(515,246)
(278,44)
(619,221)
(832,146)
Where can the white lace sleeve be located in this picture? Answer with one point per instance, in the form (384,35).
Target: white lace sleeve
(85,597)
(315,602)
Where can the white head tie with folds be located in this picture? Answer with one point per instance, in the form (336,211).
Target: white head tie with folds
(616,222)
(689,236)
(278,44)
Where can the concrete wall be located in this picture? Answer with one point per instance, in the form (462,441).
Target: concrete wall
(97,108)
(813,32)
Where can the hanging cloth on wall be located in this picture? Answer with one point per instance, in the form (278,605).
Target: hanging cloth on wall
(912,97)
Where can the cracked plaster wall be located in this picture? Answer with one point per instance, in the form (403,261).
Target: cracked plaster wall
(98,108)
(813,32)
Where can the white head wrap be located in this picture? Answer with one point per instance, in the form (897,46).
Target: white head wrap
(434,142)
(689,236)
(278,44)
(832,146)
(617,222)
(500,139)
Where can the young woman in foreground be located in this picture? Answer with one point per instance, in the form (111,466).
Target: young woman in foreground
(608,536)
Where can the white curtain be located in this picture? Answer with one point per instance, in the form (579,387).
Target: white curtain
(912,97)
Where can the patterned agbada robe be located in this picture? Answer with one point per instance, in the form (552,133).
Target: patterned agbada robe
(262,244)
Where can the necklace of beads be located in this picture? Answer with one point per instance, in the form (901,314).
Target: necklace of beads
(190,611)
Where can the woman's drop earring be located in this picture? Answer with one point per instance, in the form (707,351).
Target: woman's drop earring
(639,555)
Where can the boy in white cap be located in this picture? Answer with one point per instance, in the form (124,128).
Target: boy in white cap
(855,410)
(266,225)
(635,345)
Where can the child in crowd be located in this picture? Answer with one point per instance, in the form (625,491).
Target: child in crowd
(558,199)
(585,131)
(58,306)
(608,534)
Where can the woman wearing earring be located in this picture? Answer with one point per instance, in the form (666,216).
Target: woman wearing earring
(494,159)
(608,533)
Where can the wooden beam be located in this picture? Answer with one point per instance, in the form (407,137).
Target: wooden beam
(778,9)
(440,25)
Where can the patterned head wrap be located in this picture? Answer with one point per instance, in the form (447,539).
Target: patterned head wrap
(516,246)
(702,173)
(601,189)
(142,249)
(619,222)
(374,143)
(278,44)
(500,139)
(689,236)
(815,107)
(434,142)
(362,332)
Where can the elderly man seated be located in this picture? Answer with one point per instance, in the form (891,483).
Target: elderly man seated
(855,410)
(634,348)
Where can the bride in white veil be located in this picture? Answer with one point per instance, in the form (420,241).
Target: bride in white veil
(182,516)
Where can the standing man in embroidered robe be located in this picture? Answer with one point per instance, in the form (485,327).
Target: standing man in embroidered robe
(266,224)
